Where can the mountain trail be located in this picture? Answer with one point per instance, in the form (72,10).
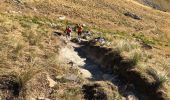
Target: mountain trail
(73,54)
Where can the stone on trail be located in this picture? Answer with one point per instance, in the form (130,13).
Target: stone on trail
(71,77)
(85,73)
(52,83)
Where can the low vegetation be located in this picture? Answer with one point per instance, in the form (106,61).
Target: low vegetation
(162,5)
(29,51)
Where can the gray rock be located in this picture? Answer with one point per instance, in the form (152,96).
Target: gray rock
(132,15)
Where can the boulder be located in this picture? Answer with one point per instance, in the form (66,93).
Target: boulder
(132,15)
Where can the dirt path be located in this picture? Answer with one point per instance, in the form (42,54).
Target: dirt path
(125,89)
(74,54)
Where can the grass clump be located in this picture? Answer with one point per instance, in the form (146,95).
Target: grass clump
(160,79)
(27,75)
(32,37)
(18,48)
(144,39)
(136,57)
(124,45)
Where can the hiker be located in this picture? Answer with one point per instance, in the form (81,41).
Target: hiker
(68,32)
(79,31)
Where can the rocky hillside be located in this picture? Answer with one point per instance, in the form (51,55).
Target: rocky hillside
(37,62)
(163,5)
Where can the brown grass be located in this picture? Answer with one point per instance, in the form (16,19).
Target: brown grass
(26,41)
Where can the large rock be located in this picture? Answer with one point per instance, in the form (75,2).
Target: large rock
(132,15)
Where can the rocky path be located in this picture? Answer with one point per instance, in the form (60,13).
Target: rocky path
(91,71)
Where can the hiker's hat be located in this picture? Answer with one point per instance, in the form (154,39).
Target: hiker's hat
(83,25)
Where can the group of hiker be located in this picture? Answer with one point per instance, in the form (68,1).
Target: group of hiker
(81,33)
(79,30)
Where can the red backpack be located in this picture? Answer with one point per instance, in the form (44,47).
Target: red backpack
(69,30)
(80,29)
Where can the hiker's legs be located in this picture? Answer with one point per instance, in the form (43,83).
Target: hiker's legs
(68,36)
(79,36)
(79,39)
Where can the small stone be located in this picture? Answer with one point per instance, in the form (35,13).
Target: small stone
(41,98)
(30,99)
(85,73)
(131,97)
(62,17)
(35,9)
(71,77)
(59,77)
(52,83)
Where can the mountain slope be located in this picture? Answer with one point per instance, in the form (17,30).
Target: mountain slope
(163,5)
(29,50)
(103,13)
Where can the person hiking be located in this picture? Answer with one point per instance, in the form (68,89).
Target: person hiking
(79,31)
(68,32)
